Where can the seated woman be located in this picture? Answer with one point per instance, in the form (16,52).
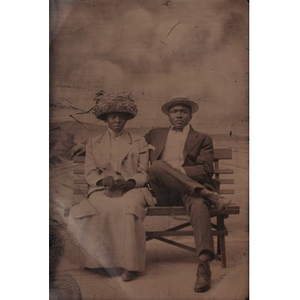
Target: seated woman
(108,224)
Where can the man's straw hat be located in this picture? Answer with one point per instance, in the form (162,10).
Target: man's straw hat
(179,101)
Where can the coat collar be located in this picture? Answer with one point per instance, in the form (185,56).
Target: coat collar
(126,144)
(191,141)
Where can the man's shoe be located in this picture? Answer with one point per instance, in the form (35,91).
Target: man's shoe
(220,202)
(203,277)
(129,275)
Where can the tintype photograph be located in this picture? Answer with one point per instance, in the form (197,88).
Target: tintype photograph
(149,149)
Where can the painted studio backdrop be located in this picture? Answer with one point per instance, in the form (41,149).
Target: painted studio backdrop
(154,49)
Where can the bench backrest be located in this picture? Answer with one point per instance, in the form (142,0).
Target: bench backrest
(81,187)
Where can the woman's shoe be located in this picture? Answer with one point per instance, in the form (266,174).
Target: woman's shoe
(129,275)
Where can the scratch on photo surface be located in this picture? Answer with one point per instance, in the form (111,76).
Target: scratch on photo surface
(167,46)
(56,128)
(221,277)
(71,105)
(84,112)
(173,28)
(77,121)
(112,287)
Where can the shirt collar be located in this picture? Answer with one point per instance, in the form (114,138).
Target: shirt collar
(115,135)
(184,129)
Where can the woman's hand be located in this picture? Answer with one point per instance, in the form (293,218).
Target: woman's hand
(124,185)
(106,182)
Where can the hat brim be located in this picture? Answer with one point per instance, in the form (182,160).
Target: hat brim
(180,101)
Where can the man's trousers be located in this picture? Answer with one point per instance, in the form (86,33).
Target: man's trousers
(171,187)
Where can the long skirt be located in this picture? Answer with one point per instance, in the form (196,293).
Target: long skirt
(110,230)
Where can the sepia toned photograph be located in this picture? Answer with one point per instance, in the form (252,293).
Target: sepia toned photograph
(149,149)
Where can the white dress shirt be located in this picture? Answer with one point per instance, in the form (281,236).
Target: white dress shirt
(173,151)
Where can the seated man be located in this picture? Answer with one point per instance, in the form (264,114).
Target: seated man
(181,174)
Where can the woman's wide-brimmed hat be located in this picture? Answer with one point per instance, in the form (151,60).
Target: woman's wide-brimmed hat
(121,102)
(179,101)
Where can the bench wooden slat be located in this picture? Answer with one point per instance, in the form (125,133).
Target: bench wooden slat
(217,171)
(226,181)
(79,159)
(223,171)
(226,191)
(180,210)
(222,154)
(222,181)
(79,171)
(80,181)
(84,189)
(166,210)
(80,191)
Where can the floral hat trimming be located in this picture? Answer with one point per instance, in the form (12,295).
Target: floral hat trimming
(111,102)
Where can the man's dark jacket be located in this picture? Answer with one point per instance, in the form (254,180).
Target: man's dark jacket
(197,153)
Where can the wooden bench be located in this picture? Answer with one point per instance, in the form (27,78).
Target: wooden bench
(218,219)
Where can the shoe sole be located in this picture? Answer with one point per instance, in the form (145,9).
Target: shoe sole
(202,290)
(128,279)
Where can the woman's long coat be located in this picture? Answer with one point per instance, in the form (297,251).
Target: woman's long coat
(110,230)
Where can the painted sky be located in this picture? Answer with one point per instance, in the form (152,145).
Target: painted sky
(156,50)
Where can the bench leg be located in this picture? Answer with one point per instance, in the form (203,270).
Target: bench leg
(218,246)
(221,244)
(221,248)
